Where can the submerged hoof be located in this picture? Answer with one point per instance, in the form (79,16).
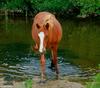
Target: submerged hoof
(52,68)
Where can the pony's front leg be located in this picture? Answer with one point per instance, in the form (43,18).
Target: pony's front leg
(42,67)
(35,48)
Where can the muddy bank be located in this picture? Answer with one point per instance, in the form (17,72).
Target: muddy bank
(50,83)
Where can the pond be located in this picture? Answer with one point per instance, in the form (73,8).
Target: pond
(78,53)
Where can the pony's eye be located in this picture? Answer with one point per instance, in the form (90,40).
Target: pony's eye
(47,26)
(37,25)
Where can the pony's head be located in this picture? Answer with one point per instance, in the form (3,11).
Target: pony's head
(43,27)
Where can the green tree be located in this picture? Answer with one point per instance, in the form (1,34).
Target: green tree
(88,7)
(66,7)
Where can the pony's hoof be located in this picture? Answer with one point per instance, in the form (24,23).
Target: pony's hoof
(57,77)
(43,81)
(52,68)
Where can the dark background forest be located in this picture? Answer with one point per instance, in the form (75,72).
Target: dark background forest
(63,8)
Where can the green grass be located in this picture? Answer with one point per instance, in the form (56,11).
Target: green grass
(28,83)
(95,83)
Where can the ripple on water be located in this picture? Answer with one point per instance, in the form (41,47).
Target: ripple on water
(31,68)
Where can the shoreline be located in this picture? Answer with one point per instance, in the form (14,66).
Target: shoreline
(52,83)
(20,13)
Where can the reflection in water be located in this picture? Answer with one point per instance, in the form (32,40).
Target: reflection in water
(12,53)
(82,39)
(78,52)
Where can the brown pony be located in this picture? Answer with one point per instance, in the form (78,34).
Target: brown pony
(46,32)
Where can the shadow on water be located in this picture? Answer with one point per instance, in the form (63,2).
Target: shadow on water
(12,53)
(78,53)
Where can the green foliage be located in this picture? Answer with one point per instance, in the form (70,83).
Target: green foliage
(12,4)
(57,6)
(53,5)
(28,83)
(86,7)
(2,3)
(15,4)
(95,83)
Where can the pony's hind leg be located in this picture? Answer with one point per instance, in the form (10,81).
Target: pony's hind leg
(55,60)
(52,66)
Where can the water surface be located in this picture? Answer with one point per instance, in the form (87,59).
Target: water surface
(78,53)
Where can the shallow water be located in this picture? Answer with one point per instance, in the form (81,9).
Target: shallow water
(78,53)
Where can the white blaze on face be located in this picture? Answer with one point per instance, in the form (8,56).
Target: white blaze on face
(41,36)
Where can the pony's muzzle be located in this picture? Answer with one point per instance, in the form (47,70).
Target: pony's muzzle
(42,51)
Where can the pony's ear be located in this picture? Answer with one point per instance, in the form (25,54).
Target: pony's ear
(47,26)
